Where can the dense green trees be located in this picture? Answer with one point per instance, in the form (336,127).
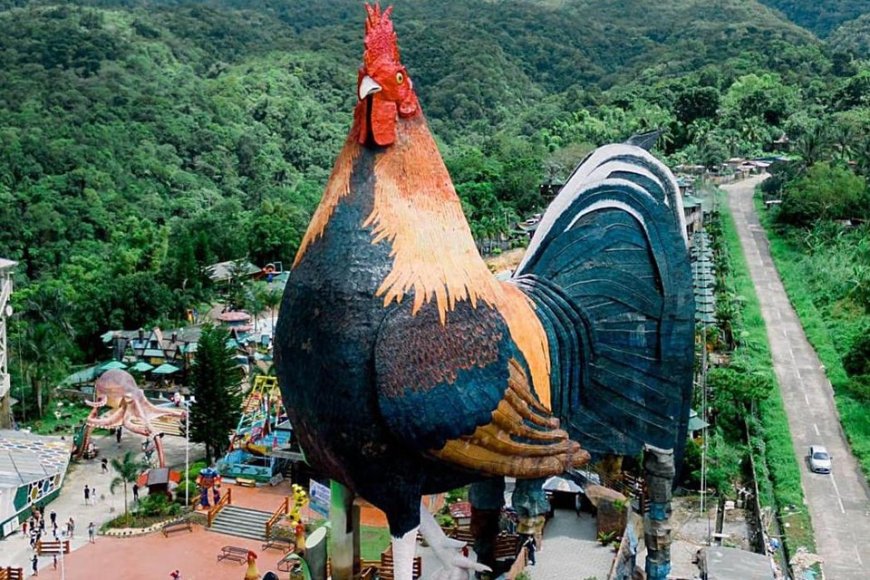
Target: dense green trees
(821,18)
(825,193)
(141,142)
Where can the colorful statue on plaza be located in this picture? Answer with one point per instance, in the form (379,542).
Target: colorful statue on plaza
(407,368)
(130,409)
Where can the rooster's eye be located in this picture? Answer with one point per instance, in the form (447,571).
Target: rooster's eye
(400,78)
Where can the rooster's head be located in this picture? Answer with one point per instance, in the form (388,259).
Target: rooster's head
(384,88)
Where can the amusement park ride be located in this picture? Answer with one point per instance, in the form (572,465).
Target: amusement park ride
(258,447)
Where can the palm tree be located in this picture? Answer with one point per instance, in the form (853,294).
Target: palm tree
(128,469)
(862,157)
(842,139)
(811,146)
(42,349)
(270,297)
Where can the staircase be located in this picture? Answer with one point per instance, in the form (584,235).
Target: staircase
(242,522)
(252,404)
(167,424)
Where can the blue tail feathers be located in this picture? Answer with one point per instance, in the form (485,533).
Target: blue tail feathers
(608,269)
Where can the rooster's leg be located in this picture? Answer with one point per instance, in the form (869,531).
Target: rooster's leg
(404,549)
(447,550)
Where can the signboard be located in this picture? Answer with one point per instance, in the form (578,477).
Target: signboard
(319,498)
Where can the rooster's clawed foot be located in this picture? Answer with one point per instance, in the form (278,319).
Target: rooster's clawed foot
(455,566)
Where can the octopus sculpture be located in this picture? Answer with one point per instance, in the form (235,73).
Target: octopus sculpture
(117,389)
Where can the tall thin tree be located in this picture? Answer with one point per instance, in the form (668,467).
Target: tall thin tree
(216,385)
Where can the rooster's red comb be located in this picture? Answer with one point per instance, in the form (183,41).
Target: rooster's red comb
(380,40)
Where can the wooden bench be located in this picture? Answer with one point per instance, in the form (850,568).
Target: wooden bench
(176,526)
(233,553)
(283,544)
(52,547)
(506,546)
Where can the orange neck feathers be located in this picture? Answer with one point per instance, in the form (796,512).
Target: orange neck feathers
(416,210)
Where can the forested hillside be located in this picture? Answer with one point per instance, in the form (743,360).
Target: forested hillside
(820,16)
(139,144)
(853,37)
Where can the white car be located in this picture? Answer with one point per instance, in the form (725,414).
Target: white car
(820,459)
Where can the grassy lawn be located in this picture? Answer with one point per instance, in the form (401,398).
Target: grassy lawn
(70,416)
(815,283)
(779,480)
(372,542)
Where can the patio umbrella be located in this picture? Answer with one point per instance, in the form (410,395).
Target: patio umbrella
(142,367)
(556,483)
(166,369)
(113,364)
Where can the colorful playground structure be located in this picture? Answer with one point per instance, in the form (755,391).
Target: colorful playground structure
(258,449)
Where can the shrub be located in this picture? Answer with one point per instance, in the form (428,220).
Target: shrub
(827,193)
(157,505)
(857,360)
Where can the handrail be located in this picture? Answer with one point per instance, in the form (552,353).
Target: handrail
(282,510)
(224,501)
(10,573)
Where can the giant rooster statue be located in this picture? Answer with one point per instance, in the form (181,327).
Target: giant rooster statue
(408,369)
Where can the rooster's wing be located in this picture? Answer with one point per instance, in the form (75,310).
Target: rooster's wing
(460,392)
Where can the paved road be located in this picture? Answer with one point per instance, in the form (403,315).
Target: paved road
(839,503)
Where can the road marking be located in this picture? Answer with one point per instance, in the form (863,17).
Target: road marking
(858,556)
(807,399)
(837,491)
(816,427)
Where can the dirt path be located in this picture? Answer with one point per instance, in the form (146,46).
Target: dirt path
(839,503)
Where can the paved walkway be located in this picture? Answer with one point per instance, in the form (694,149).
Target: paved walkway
(15,550)
(570,550)
(839,503)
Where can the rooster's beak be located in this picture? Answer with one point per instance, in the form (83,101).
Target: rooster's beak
(368,86)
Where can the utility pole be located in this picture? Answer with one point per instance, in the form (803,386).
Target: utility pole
(190,399)
(6,267)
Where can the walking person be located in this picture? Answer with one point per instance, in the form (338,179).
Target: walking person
(118,436)
(92,533)
(105,464)
(530,546)
(71,527)
(54,561)
(53,516)
(34,563)
(135,493)
(87,495)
